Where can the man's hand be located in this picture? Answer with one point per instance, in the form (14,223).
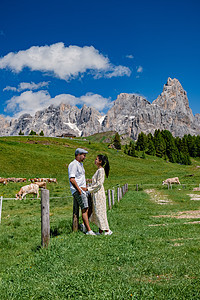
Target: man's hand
(84,189)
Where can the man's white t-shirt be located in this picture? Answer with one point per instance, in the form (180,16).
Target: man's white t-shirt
(76,170)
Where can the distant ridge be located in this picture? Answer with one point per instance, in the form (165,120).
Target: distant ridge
(129,115)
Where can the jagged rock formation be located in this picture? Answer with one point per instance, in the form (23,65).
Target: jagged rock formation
(58,120)
(4,126)
(129,115)
(132,114)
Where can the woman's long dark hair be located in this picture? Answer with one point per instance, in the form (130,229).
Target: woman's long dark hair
(104,163)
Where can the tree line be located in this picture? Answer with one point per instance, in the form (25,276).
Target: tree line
(32,133)
(163,144)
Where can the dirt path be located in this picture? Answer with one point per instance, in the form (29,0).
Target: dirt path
(158,197)
(194,197)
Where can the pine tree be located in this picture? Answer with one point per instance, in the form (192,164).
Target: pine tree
(41,133)
(143,155)
(183,146)
(116,141)
(185,159)
(32,132)
(141,143)
(151,148)
(132,150)
(126,149)
(171,148)
(191,144)
(21,133)
(159,144)
(197,143)
(149,137)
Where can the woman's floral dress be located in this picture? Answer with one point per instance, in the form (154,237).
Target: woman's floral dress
(99,211)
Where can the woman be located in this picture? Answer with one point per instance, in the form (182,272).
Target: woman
(99,212)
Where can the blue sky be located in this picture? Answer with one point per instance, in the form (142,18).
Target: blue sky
(88,52)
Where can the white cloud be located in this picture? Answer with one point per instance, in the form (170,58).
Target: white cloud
(139,69)
(32,85)
(63,62)
(118,71)
(27,86)
(27,102)
(10,88)
(130,56)
(30,102)
(96,101)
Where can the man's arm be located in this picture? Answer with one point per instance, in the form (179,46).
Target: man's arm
(75,185)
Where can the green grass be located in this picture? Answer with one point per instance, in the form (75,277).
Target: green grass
(139,261)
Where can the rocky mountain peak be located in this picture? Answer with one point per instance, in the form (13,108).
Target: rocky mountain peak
(174,98)
(64,107)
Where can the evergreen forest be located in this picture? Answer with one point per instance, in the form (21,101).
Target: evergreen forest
(162,144)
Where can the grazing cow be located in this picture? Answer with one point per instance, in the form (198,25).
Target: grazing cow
(52,180)
(38,179)
(28,189)
(33,180)
(49,180)
(3,180)
(10,179)
(41,184)
(171,180)
(20,179)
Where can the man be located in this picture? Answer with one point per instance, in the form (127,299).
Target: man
(78,189)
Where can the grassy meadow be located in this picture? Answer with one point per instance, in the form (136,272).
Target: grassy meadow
(154,252)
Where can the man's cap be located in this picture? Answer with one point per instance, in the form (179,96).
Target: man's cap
(80,151)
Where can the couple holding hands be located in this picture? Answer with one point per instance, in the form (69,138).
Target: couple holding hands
(96,211)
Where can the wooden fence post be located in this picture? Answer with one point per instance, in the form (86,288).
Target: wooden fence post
(123,190)
(109,200)
(45,222)
(118,194)
(137,187)
(120,190)
(75,219)
(1,202)
(113,197)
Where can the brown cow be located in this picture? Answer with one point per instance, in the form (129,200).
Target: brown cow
(3,180)
(20,179)
(52,180)
(33,180)
(28,189)
(11,179)
(38,179)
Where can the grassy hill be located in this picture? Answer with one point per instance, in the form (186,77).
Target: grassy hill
(152,254)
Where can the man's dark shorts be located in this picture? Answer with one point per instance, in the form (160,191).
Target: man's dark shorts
(84,200)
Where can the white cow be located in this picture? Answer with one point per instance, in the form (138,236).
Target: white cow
(28,189)
(41,184)
(171,180)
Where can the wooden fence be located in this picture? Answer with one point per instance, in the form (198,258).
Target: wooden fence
(45,220)
(114,194)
